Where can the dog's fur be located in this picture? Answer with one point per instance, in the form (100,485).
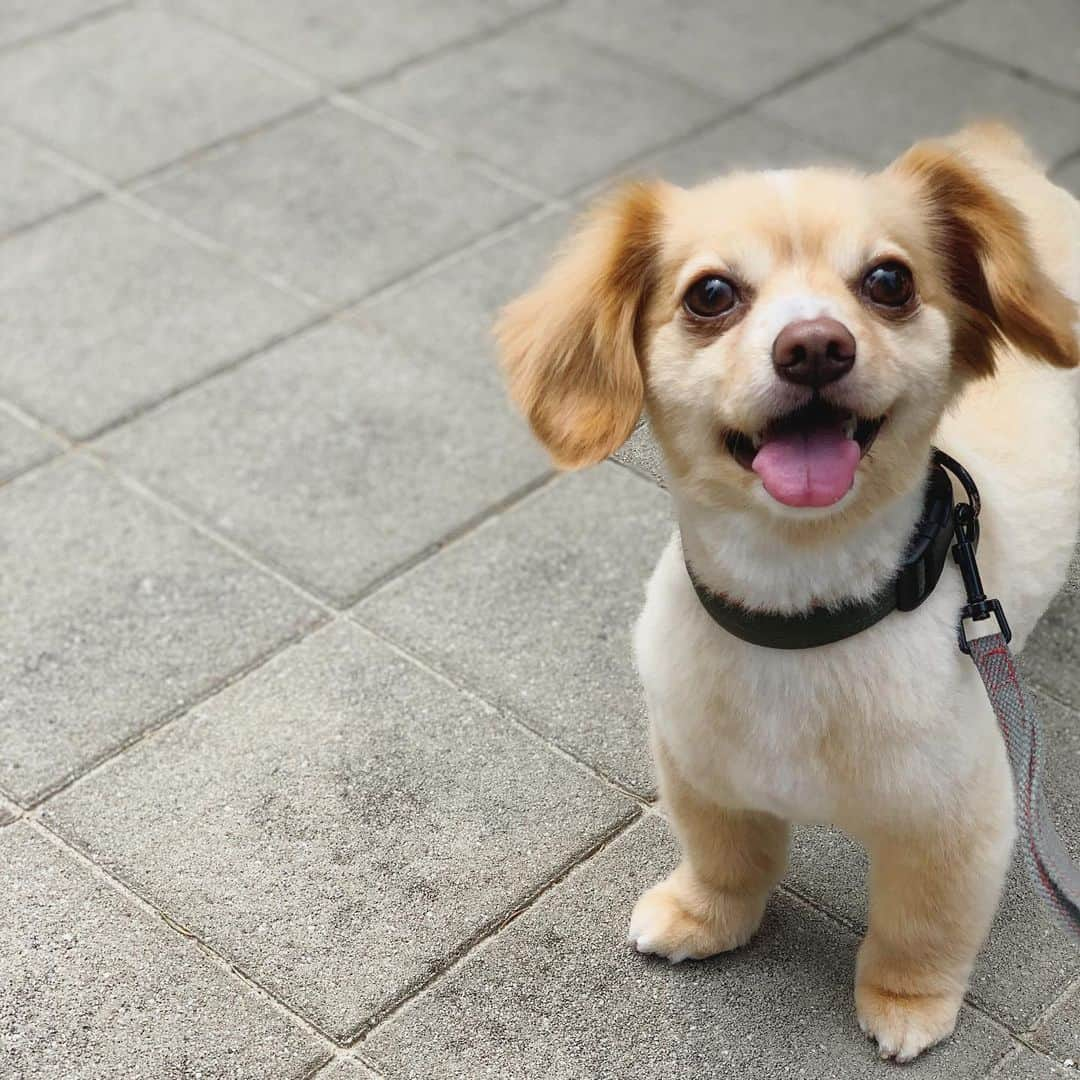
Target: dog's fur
(887,734)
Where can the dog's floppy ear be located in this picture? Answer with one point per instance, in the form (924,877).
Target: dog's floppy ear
(570,346)
(991,269)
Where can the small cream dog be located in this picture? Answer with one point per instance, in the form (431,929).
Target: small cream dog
(801,339)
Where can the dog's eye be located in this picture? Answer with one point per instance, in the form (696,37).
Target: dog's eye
(889,284)
(710,297)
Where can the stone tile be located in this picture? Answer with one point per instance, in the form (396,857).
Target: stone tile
(21,19)
(887,97)
(546,107)
(747,141)
(1068,176)
(535,610)
(340,454)
(1072,582)
(104,312)
(345,1069)
(1027,961)
(94,987)
(642,454)
(114,615)
(344,42)
(132,91)
(8,811)
(1023,1064)
(33,186)
(1050,653)
(737,50)
(376,820)
(1041,37)
(1059,1035)
(363,206)
(21,446)
(563,972)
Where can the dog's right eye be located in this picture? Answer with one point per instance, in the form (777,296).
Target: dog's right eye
(710,297)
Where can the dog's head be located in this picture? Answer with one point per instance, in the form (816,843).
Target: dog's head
(779,325)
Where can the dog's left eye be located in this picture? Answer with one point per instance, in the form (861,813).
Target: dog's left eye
(889,284)
(710,297)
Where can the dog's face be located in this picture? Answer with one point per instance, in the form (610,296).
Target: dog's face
(796,335)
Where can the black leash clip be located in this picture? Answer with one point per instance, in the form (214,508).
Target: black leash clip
(966,524)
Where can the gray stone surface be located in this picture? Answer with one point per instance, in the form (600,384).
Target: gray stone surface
(139,88)
(594,110)
(535,610)
(887,97)
(8,811)
(560,993)
(340,454)
(1027,961)
(1059,1034)
(115,614)
(22,446)
(344,1068)
(642,454)
(1039,37)
(736,49)
(141,313)
(376,820)
(94,987)
(364,206)
(1051,652)
(22,19)
(33,185)
(1024,1064)
(746,141)
(1068,176)
(345,42)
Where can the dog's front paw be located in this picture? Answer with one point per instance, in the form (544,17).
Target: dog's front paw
(905,1025)
(684,921)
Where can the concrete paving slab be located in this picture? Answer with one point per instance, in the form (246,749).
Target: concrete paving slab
(376,820)
(340,454)
(642,454)
(364,207)
(22,446)
(1041,37)
(882,100)
(8,811)
(1024,1064)
(739,49)
(141,313)
(747,141)
(115,615)
(33,185)
(537,79)
(23,19)
(1051,651)
(139,88)
(344,42)
(1059,1034)
(95,987)
(536,608)
(1068,176)
(559,993)
(344,1068)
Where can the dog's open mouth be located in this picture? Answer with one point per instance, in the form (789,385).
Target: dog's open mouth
(809,457)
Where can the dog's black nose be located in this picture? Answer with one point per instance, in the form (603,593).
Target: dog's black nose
(813,352)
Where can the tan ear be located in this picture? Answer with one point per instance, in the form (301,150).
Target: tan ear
(990,265)
(570,347)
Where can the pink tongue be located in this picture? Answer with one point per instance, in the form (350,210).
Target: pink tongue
(814,469)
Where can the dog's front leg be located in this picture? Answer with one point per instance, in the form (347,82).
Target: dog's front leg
(933,894)
(714,899)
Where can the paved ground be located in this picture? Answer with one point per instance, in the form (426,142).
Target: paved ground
(320,746)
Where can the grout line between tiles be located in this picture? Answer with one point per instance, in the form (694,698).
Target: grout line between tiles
(148,907)
(176,714)
(36,37)
(1050,1010)
(462,686)
(1018,71)
(492,929)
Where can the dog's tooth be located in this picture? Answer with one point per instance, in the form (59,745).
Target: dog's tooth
(756,441)
(850,424)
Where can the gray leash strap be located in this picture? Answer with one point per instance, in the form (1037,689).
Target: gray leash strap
(1055,876)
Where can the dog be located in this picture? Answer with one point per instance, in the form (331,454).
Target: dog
(801,340)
